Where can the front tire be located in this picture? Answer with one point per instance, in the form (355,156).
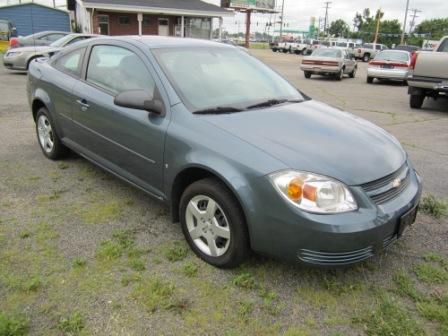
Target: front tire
(47,137)
(416,101)
(340,75)
(353,73)
(366,58)
(213,224)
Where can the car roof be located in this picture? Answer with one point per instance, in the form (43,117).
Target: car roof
(156,42)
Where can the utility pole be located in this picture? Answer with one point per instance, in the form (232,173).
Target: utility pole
(414,16)
(327,7)
(378,22)
(281,19)
(405,20)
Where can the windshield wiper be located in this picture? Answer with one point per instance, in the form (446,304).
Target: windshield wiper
(219,110)
(272,102)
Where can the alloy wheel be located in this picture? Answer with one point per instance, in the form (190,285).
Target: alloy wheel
(45,133)
(208,226)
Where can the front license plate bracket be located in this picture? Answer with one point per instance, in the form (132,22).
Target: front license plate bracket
(407,220)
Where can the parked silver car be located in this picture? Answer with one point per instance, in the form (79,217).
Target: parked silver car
(20,58)
(330,62)
(44,38)
(390,65)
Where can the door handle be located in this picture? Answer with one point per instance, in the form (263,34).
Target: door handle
(83,103)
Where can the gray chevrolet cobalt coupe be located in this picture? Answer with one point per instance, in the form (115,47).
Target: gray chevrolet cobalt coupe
(245,161)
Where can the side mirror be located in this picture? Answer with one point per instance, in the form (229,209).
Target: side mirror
(140,100)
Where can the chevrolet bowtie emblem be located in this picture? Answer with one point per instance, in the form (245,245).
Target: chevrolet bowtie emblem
(396,183)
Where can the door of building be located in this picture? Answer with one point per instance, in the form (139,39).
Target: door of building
(103,24)
(164,27)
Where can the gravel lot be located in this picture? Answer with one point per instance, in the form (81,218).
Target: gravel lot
(83,253)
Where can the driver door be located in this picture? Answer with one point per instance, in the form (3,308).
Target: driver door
(126,141)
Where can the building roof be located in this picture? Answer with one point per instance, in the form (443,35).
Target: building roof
(27,4)
(175,7)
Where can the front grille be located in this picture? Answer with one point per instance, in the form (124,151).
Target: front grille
(388,188)
(335,259)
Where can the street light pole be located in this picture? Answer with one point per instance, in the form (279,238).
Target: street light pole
(405,21)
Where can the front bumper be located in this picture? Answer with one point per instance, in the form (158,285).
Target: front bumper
(321,70)
(283,231)
(393,74)
(14,62)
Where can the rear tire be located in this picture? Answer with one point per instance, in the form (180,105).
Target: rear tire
(416,101)
(353,73)
(370,80)
(307,74)
(48,139)
(205,226)
(366,58)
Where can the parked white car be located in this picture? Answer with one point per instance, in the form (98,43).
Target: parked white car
(390,65)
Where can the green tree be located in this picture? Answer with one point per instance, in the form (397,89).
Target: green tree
(339,28)
(436,28)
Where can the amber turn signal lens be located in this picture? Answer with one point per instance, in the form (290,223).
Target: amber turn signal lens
(295,190)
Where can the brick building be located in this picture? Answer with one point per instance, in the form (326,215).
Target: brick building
(182,18)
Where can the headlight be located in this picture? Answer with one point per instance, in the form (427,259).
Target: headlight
(11,54)
(313,193)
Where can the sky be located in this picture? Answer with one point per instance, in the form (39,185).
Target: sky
(299,12)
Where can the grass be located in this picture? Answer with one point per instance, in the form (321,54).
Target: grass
(79,262)
(190,269)
(405,286)
(175,251)
(73,323)
(122,241)
(244,280)
(245,310)
(101,212)
(431,274)
(389,319)
(434,207)
(13,325)
(155,294)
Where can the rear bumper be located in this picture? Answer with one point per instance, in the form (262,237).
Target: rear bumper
(321,70)
(437,85)
(394,74)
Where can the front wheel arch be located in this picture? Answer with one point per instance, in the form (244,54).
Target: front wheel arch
(36,106)
(190,175)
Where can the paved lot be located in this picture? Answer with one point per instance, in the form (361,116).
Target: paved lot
(83,253)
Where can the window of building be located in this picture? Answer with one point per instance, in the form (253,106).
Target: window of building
(71,63)
(117,69)
(124,20)
(146,20)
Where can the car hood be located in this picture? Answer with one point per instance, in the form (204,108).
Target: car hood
(315,137)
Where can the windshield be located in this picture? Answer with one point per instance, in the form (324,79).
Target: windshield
(210,77)
(323,52)
(62,41)
(393,56)
(341,44)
